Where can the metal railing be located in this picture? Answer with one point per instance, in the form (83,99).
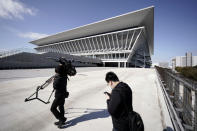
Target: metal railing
(182,94)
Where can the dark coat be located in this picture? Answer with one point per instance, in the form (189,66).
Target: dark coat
(60,85)
(116,106)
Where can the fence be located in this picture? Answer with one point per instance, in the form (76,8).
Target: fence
(183,96)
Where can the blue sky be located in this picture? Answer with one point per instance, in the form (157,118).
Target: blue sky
(22,21)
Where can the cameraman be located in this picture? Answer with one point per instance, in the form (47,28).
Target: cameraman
(120,97)
(59,85)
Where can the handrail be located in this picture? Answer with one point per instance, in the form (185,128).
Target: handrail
(175,119)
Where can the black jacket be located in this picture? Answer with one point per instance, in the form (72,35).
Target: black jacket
(116,106)
(59,84)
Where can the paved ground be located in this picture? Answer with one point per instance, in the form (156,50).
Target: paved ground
(86,105)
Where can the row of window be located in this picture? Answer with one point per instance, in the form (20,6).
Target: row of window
(110,56)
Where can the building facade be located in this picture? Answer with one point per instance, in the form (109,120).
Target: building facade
(184,61)
(124,41)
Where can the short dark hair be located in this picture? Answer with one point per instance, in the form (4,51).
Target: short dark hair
(111,76)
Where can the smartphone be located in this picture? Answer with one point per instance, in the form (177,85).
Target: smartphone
(107,93)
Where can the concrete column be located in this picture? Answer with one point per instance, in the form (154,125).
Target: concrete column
(103,64)
(125,64)
(118,64)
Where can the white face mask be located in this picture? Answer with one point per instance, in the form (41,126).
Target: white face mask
(108,88)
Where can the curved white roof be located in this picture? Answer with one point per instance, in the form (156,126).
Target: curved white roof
(143,17)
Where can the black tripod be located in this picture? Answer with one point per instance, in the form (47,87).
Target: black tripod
(39,88)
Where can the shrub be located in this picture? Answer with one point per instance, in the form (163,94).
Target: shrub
(188,72)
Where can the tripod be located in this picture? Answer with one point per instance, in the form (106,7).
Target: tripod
(47,82)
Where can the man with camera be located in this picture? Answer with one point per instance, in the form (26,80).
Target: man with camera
(119,102)
(60,87)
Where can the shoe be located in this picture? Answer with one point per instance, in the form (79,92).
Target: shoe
(60,125)
(56,123)
(64,119)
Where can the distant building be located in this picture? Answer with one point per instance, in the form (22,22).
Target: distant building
(188,59)
(194,60)
(164,64)
(180,61)
(184,61)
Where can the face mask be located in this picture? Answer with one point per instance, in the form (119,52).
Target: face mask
(108,88)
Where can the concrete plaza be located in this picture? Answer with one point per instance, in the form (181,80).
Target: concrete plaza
(86,105)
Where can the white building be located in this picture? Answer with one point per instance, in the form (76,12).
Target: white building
(194,60)
(183,61)
(180,61)
(125,40)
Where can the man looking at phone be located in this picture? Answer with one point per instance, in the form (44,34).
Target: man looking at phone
(119,102)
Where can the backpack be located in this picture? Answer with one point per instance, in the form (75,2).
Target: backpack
(135,120)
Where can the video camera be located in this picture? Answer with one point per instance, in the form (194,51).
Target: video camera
(65,67)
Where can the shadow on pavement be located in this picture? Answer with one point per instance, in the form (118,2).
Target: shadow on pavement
(92,114)
(168,129)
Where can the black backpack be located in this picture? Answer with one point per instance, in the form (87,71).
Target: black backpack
(135,120)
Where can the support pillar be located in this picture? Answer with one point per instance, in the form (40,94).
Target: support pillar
(118,64)
(125,64)
(103,64)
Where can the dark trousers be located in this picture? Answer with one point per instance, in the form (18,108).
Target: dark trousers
(114,129)
(58,103)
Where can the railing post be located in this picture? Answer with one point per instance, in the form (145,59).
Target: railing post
(195,112)
(171,86)
(167,80)
(187,106)
(176,92)
(184,102)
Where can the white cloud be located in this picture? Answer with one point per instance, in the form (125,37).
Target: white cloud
(10,9)
(32,35)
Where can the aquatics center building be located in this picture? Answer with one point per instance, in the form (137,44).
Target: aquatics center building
(124,41)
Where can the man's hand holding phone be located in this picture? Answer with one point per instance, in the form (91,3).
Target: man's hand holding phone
(107,94)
